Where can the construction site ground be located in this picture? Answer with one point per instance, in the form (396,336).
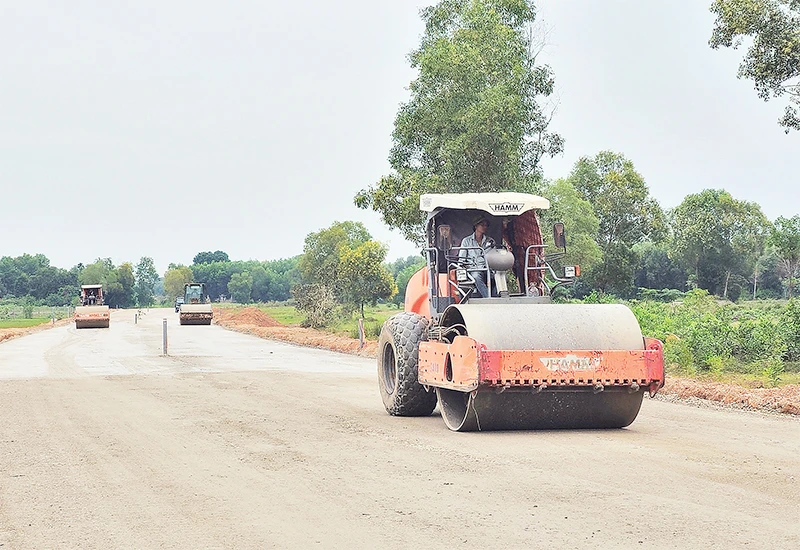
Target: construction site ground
(236,441)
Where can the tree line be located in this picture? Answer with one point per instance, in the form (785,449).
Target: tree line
(32,278)
(628,244)
(240,281)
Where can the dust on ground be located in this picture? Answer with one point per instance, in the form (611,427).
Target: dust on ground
(784,399)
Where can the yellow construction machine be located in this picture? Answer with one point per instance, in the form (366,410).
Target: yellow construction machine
(500,358)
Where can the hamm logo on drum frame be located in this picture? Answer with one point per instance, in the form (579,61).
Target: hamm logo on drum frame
(570,362)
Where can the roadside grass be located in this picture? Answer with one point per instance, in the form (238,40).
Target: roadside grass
(374,317)
(285,315)
(23,323)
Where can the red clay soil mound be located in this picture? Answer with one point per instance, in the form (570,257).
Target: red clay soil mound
(317,339)
(9,333)
(247,316)
(785,399)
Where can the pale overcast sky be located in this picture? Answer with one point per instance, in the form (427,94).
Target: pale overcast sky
(167,128)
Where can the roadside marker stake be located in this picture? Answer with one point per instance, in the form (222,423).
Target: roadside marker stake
(164,337)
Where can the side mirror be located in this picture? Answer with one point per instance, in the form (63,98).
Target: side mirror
(558,236)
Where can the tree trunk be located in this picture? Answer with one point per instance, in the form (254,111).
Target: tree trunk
(727,278)
(790,268)
(755,283)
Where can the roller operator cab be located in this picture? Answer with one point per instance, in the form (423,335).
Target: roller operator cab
(481,336)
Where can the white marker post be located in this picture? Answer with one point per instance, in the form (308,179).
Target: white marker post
(164,337)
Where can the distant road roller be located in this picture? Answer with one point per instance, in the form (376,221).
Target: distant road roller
(500,359)
(92,313)
(196,306)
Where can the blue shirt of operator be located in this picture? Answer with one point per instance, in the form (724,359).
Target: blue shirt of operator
(478,260)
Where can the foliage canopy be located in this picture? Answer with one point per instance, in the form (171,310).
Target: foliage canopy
(785,237)
(772,60)
(718,236)
(626,212)
(474,121)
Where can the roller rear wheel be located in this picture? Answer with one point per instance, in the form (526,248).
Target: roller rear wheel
(398,359)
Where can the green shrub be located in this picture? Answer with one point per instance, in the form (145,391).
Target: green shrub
(27,309)
(700,300)
(660,295)
(595,297)
(375,330)
(655,319)
(372,331)
(707,337)
(678,355)
(317,303)
(772,369)
(756,339)
(717,365)
(789,328)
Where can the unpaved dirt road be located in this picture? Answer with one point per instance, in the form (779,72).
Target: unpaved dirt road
(238,442)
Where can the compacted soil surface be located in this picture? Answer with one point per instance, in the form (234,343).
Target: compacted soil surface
(230,440)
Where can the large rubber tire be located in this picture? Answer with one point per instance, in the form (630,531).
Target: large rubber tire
(398,359)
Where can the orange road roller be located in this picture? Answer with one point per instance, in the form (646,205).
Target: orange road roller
(501,359)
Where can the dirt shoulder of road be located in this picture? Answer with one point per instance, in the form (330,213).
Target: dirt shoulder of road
(784,399)
(251,320)
(10,333)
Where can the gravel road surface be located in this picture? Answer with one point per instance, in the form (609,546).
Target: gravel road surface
(232,441)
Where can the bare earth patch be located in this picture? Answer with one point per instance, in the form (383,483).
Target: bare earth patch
(785,399)
(254,321)
(9,333)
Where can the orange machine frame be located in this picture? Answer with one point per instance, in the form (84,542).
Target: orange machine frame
(466,364)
